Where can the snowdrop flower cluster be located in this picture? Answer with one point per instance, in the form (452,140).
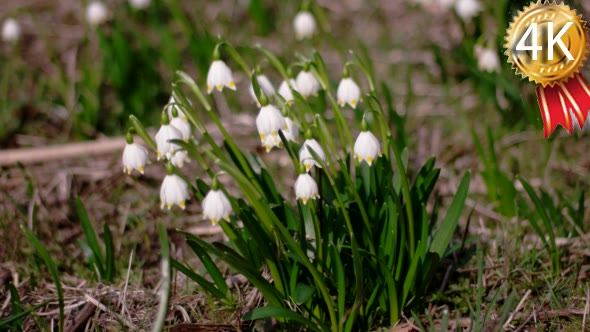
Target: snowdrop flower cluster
(487,59)
(268,122)
(96,13)
(11,30)
(304,25)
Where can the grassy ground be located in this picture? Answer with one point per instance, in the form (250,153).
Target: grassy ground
(54,90)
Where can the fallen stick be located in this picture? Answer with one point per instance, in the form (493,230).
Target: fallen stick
(59,152)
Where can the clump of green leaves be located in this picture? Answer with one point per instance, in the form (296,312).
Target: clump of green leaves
(354,259)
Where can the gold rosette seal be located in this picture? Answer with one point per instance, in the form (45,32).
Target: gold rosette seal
(548,43)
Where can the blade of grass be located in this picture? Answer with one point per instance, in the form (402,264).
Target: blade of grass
(90,235)
(52,270)
(166,277)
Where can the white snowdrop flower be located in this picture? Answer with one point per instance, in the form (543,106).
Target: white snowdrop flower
(140,4)
(367,147)
(266,87)
(179,157)
(307,84)
(164,134)
(467,9)
(219,76)
(11,30)
(216,206)
(173,191)
(135,156)
(96,13)
(292,130)
(285,90)
(306,188)
(348,92)
(170,107)
(306,158)
(268,122)
(487,59)
(183,126)
(304,25)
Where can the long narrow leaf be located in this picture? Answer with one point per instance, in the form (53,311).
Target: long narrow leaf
(447,228)
(52,270)
(90,235)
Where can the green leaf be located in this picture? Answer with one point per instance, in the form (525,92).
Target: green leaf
(206,285)
(303,293)
(52,270)
(110,253)
(210,266)
(279,312)
(90,235)
(447,228)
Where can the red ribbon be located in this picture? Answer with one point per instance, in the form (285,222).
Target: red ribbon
(557,101)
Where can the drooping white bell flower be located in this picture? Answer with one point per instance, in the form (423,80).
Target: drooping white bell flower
(307,83)
(468,9)
(164,147)
(219,76)
(135,156)
(96,13)
(174,191)
(487,59)
(216,206)
(266,87)
(11,30)
(304,25)
(306,188)
(140,4)
(306,158)
(285,90)
(292,130)
(348,92)
(268,122)
(366,147)
(271,142)
(183,126)
(179,157)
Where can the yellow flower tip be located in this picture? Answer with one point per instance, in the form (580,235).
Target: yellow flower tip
(267,147)
(280,144)
(184,117)
(341,103)
(369,160)
(219,87)
(162,205)
(169,206)
(180,164)
(273,134)
(232,85)
(353,103)
(262,137)
(140,169)
(226,218)
(209,89)
(289,103)
(185,140)
(182,205)
(304,199)
(126,170)
(285,127)
(159,155)
(213,221)
(359,158)
(307,166)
